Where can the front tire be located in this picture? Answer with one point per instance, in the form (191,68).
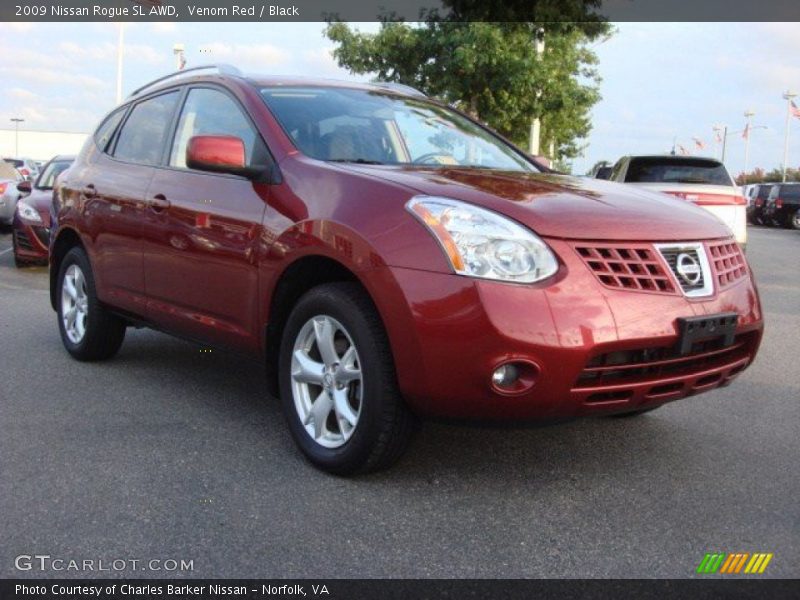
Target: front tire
(338,384)
(89,331)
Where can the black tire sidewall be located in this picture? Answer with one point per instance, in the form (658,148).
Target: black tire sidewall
(77,256)
(325,300)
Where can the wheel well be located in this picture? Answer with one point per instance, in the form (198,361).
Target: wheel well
(66,240)
(296,280)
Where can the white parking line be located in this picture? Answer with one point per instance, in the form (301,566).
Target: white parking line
(6,250)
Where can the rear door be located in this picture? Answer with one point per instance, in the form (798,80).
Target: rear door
(114,186)
(202,231)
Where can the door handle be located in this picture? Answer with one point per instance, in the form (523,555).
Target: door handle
(89,191)
(159,202)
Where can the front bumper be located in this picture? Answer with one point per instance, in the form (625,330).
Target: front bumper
(457,330)
(31,241)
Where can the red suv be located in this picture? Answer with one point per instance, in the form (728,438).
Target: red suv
(388,258)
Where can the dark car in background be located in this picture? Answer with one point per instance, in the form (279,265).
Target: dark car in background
(755,210)
(31,224)
(783,205)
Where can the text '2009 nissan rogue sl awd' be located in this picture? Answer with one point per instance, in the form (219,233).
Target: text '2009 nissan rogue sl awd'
(389,258)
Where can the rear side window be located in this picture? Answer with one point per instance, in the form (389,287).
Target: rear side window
(676,170)
(144,131)
(212,112)
(108,127)
(791,191)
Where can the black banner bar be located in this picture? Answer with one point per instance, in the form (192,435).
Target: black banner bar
(402,589)
(407,10)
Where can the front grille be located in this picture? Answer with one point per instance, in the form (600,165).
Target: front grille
(632,267)
(729,264)
(642,364)
(23,241)
(689,265)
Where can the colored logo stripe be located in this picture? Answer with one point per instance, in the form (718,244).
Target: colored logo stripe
(758,563)
(734,562)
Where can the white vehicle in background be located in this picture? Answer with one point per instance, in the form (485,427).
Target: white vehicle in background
(702,181)
(9,194)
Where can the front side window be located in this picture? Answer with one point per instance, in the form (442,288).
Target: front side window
(145,130)
(677,170)
(212,112)
(340,124)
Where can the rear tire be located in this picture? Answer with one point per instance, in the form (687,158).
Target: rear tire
(338,385)
(88,330)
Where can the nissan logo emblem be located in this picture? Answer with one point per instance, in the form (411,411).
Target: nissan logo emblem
(688,268)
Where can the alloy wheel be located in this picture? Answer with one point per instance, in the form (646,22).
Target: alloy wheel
(327,382)
(74,304)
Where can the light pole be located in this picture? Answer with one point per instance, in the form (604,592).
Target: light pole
(722,134)
(788,95)
(120,52)
(16,121)
(178,50)
(536,124)
(748,114)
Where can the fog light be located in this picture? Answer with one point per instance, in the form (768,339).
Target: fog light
(505,376)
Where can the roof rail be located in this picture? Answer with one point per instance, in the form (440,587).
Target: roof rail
(400,87)
(222,69)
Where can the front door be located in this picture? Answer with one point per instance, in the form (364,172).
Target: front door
(201,232)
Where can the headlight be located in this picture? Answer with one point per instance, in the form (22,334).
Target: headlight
(482,243)
(27,212)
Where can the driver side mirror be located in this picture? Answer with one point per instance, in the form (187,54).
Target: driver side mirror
(25,187)
(219,154)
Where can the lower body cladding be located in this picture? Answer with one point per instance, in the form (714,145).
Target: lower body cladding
(566,347)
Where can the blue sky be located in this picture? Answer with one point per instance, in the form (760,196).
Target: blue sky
(660,80)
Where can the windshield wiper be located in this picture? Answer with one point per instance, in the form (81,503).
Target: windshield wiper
(358,161)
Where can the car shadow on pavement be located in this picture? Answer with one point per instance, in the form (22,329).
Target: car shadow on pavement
(227,387)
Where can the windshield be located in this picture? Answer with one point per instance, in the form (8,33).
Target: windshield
(47,179)
(347,125)
(677,170)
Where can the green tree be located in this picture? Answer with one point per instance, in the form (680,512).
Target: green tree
(490,70)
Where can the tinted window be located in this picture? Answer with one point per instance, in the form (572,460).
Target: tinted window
(763,191)
(790,191)
(341,124)
(677,170)
(108,127)
(212,112)
(142,137)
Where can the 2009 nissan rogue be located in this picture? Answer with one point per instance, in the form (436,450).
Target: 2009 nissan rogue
(389,258)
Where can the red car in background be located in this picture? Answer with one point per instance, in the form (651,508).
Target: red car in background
(388,258)
(31,224)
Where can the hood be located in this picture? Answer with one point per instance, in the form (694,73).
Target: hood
(562,206)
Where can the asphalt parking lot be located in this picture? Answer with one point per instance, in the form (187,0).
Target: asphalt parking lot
(168,452)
